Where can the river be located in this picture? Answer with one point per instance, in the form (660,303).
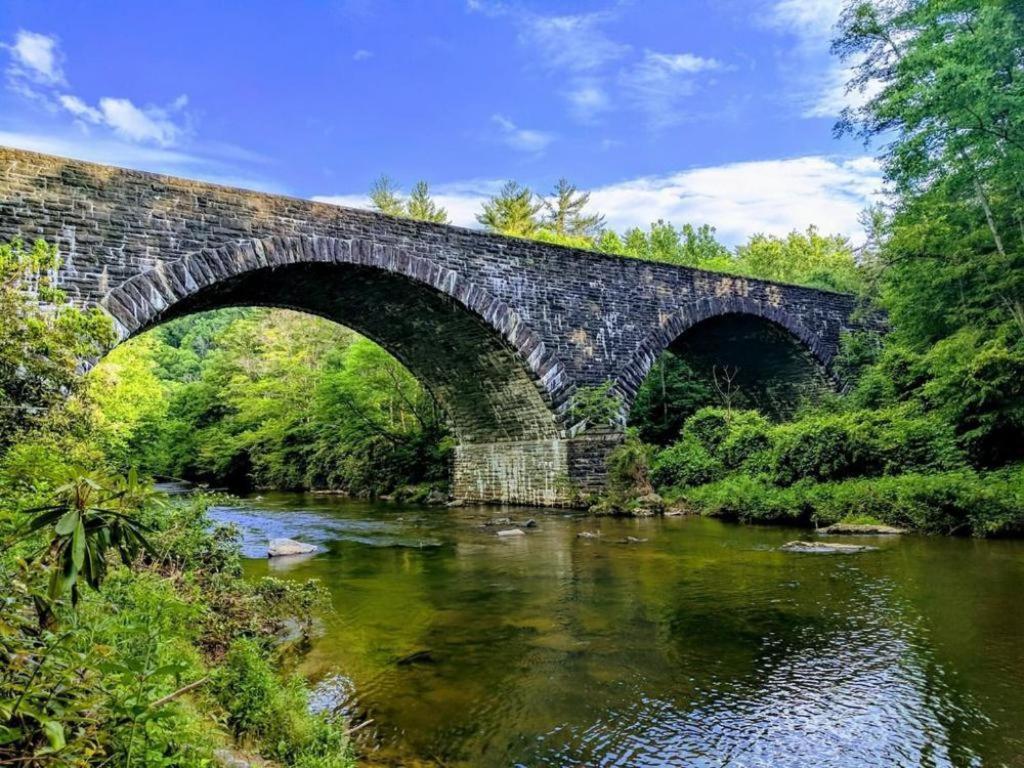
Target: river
(679,641)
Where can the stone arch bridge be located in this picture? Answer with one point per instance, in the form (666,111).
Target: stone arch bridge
(502,331)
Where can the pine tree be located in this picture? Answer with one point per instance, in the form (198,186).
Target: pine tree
(513,211)
(422,207)
(564,213)
(386,198)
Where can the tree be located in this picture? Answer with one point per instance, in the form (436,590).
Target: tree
(513,211)
(943,84)
(422,207)
(385,197)
(807,258)
(43,340)
(564,214)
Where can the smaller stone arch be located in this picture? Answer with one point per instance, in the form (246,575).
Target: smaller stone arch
(628,383)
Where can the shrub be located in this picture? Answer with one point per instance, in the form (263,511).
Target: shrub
(822,448)
(748,441)
(709,427)
(747,498)
(684,463)
(958,502)
(629,468)
(262,709)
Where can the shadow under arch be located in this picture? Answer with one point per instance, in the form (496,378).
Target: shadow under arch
(488,369)
(777,359)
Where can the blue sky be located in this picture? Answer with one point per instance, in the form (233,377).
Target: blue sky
(715,112)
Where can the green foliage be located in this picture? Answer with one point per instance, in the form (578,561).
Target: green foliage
(270,398)
(597,406)
(946,100)
(686,462)
(671,393)
(42,338)
(806,258)
(564,215)
(132,677)
(629,468)
(958,502)
(88,519)
(263,710)
(513,211)
(385,197)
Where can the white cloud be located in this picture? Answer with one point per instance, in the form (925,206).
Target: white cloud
(572,42)
(660,82)
(362,55)
(738,199)
(832,95)
(812,21)
(35,57)
(521,139)
(149,124)
(588,99)
(821,82)
(79,108)
(35,71)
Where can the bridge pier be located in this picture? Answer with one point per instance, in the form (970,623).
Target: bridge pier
(554,472)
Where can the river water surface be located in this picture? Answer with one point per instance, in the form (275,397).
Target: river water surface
(693,643)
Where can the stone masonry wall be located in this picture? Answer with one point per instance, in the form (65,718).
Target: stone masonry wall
(148,247)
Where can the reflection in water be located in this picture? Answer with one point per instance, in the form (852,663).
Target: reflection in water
(703,645)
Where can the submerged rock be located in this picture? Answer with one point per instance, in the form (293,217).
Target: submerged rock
(283,547)
(498,521)
(425,656)
(824,548)
(632,540)
(512,532)
(588,535)
(860,529)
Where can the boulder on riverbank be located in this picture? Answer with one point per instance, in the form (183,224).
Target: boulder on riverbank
(824,548)
(860,529)
(285,547)
(641,506)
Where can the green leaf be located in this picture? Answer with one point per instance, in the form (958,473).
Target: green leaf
(78,546)
(54,733)
(67,523)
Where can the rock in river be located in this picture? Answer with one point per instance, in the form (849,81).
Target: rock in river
(281,547)
(824,548)
(512,532)
(857,529)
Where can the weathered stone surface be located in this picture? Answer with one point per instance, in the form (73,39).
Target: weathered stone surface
(502,331)
(511,532)
(858,529)
(824,548)
(285,547)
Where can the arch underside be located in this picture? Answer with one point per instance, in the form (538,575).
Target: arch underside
(777,360)
(476,376)
(754,362)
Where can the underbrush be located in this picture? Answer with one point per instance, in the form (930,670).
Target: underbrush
(900,466)
(960,502)
(172,658)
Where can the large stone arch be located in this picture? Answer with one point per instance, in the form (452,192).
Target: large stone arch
(486,366)
(688,318)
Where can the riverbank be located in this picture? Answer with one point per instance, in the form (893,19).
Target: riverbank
(177,660)
(898,467)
